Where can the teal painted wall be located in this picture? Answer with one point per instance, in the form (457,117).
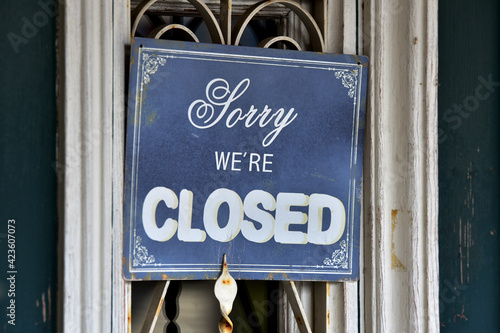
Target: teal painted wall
(469,184)
(27,153)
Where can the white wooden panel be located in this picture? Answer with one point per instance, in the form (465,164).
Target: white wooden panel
(287,317)
(330,16)
(300,300)
(401,262)
(349,20)
(121,39)
(336,307)
(86,106)
(351,311)
(329,307)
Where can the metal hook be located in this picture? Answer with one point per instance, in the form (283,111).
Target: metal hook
(225,291)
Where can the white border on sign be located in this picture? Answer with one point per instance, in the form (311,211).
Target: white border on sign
(143,76)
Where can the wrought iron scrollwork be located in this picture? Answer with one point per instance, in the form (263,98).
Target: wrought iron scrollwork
(220,30)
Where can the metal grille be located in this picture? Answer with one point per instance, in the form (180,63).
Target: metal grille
(226,22)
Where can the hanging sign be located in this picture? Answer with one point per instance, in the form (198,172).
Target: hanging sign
(253,153)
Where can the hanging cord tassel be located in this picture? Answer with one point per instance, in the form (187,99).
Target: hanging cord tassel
(225,291)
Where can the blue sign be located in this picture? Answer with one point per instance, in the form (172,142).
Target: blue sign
(253,153)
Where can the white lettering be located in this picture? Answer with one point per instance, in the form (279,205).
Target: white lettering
(254,162)
(266,220)
(151,201)
(186,233)
(221,160)
(266,162)
(253,217)
(285,217)
(315,234)
(235,160)
(204,114)
(210,214)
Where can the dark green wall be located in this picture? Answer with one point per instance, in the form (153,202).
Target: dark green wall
(27,154)
(469,185)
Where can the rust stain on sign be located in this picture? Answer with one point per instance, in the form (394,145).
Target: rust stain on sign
(396,264)
(151,118)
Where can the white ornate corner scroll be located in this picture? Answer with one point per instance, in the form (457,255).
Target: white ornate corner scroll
(141,255)
(339,257)
(151,64)
(349,79)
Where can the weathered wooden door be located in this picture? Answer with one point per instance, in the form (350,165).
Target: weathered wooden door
(400,250)
(469,160)
(28,216)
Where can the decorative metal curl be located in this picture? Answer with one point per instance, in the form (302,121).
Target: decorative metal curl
(159,31)
(221,33)
(205,12)
(289,42)
(311,26)
(225,291)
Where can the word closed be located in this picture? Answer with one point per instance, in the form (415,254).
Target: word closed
(256,224)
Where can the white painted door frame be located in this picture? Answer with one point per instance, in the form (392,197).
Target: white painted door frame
(399,287)
(400,172)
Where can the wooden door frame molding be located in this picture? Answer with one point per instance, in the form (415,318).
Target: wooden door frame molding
(400,288)
(400,172)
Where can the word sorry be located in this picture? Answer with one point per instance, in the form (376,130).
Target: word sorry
(220,95)
(259,226)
